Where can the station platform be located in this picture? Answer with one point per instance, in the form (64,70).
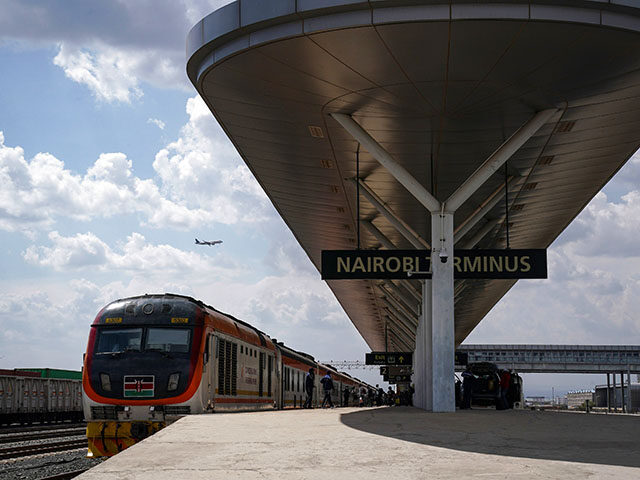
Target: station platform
(389,443)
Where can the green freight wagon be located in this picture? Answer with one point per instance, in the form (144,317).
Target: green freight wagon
(54,373)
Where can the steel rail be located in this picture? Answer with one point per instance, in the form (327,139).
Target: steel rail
(26,450)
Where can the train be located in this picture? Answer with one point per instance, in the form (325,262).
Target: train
(152,359)
(40,395)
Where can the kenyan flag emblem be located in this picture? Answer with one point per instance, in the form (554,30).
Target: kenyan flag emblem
(138,386)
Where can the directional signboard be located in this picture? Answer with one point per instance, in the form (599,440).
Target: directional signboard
(399,378)
(396,370)
(389,358)
(403,264)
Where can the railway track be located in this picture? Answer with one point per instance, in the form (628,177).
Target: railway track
(17,451)
(39,428)
(40,435)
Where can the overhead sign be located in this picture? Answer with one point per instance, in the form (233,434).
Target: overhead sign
(399,378)
(395,370)
(403,264)
(388,358)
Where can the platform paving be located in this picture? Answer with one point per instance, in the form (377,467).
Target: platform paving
(384,443)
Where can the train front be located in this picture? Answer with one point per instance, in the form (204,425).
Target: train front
(141,369)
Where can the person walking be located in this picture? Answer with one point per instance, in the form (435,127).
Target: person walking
(327,386)
(309,382)
(391,397)
(345,397)
(505,380)
(468,380)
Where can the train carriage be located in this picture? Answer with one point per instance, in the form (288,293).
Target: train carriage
(27,397)
(153,358)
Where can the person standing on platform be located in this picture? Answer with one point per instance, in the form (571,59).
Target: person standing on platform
(505,380)
(345,397)
(309,382)
(468,380)
(379,395)
(327,386)
(391,397)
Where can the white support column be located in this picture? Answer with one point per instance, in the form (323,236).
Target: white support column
(423,363)
(442,310)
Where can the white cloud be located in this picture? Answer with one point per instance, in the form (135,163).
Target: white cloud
(608,228)
(158,123)
(201,181)
(109,73)
(112,47)
(135,256)
(203,168)
(590,297)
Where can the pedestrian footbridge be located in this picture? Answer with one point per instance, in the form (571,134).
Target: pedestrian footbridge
(554,358)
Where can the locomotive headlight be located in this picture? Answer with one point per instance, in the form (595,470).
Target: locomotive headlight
(173,381)
(105,381)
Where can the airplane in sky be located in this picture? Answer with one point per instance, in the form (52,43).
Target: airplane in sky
(205,242)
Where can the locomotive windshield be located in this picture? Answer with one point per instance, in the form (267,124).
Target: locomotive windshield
(119,340)
(167,340)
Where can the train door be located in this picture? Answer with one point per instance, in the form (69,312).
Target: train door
(261,363)
(279,383)
(269,374)
(209,371)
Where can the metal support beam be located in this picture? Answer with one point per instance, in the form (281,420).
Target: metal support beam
(382,156)
(623,407)
(408,302)
(629,391)
(481,211)
(615,400)
(406,321)
(381,237)
(407,232)
(399,307)
(480,234)
(398,340)
(394,319)
(497,159)
(408,288)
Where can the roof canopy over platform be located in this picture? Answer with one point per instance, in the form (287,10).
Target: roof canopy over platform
(439,86)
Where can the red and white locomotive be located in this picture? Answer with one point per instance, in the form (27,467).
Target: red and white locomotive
(154,358)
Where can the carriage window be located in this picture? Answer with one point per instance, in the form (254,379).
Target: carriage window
(241,350)
(120,340)
(168,340)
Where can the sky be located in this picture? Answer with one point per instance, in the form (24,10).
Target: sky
(111,165)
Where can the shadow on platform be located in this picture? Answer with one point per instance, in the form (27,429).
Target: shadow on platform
(599,439)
